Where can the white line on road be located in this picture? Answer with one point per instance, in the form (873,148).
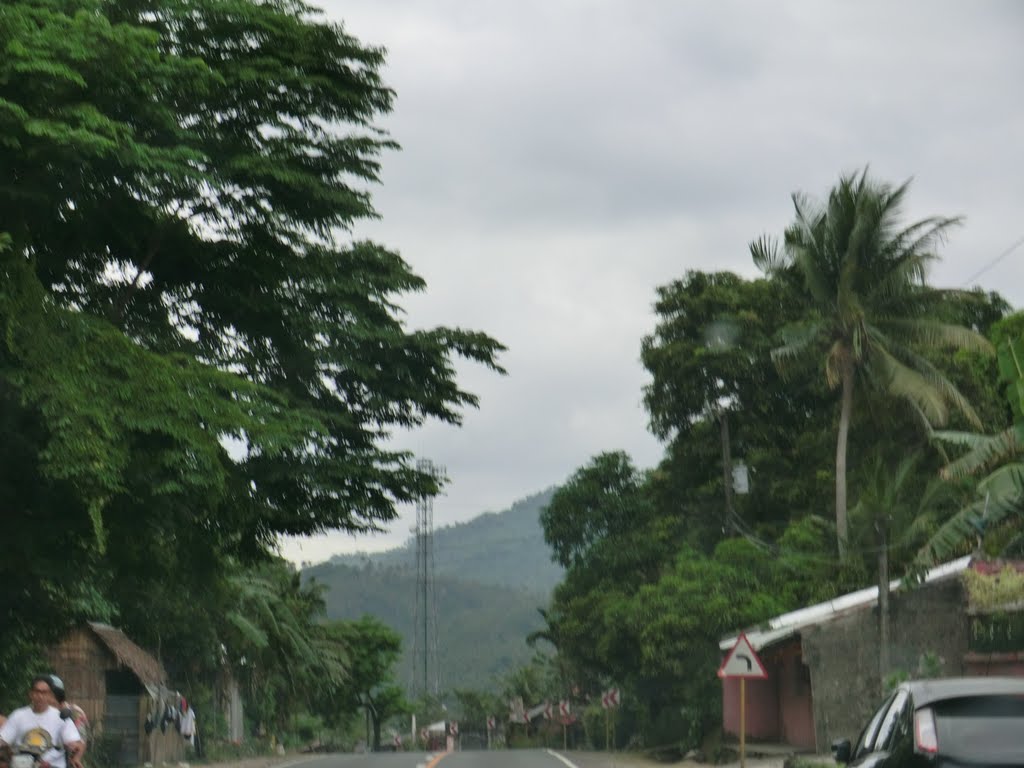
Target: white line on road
(563,759)
(300,761)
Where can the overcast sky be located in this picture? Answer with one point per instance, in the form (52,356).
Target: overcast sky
(562,158)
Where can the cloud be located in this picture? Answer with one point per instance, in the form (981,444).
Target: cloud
(563,158)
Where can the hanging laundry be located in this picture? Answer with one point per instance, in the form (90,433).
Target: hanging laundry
(188,725)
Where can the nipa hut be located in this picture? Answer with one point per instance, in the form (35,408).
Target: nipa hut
(118,685)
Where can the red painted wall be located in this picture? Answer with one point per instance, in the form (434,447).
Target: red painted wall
(795,704)
(762,707)
(779,708)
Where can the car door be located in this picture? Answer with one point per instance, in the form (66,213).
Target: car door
(883,733)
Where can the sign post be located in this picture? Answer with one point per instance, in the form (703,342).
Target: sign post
(609,700)
(742,662)
(563,713)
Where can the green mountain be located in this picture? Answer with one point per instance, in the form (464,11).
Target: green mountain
(498,548)
(491,575)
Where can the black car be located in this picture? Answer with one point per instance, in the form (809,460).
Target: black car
(948,723)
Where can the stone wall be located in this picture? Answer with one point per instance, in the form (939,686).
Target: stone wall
(842,654)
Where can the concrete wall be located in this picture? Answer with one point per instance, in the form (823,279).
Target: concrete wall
(994,664)
(843,653)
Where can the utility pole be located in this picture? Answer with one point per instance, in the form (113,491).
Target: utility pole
(723,420)
(883,601)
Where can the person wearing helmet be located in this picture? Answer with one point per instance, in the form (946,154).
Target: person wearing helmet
(73,712)
(40,722)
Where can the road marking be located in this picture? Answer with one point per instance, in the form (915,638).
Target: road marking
(300,761)
(435,760)
(563,759)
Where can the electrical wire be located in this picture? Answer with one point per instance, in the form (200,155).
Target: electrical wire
(993,262)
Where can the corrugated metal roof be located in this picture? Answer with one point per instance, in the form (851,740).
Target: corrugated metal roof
(789,624)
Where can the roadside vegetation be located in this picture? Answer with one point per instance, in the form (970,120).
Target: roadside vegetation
(196,358)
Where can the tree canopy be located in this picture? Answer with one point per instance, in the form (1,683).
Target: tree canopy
(661,564)
(197,353)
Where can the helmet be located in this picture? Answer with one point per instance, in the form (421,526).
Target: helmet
(57,686)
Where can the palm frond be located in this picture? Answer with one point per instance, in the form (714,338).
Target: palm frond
(797,339)
(767,255)
(932,376)
(1011,360)
(896,280)
(1005,482)
(1003,499)
(926,302)
(936,335)
(957,536)
(984,451)
(923,234)
(252,634)
(806,248)
(900,380)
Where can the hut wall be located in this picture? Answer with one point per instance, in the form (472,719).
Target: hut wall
(81,661)
(159,747)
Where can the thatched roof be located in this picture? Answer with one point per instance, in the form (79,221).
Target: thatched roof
(149,671)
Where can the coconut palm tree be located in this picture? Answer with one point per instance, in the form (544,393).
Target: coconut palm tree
(869,309)
(897,509)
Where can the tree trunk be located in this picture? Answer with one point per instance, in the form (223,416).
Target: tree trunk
(376,732)
(845,412)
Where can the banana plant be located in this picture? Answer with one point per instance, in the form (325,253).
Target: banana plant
(999,501)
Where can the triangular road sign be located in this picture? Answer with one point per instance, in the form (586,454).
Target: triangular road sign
(741,661)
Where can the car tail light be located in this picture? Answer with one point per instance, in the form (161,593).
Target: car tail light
(925,737)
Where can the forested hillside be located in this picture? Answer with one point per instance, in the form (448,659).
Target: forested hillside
(492,574)
(482,629)
(499,548)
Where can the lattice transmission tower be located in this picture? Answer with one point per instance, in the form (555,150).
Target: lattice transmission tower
(425,671)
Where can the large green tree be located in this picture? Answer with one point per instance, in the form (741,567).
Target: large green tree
(714,392)
(194,346)
(868,309)
(602,526)
(181,180)
(373,650)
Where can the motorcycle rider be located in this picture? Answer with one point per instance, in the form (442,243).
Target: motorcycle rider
(41,720)
(73,712)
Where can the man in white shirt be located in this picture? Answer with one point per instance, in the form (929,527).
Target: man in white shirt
(40,727)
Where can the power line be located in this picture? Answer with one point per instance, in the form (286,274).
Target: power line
(994,261)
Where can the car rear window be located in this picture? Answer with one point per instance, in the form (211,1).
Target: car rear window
(986,729)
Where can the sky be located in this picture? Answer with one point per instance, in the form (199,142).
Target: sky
(561,159)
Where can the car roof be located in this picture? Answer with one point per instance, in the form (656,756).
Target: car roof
(925,692)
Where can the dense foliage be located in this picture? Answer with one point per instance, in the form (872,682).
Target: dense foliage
(196,356)
(661,564)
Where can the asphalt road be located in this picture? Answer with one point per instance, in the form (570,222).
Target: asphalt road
(495,759)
